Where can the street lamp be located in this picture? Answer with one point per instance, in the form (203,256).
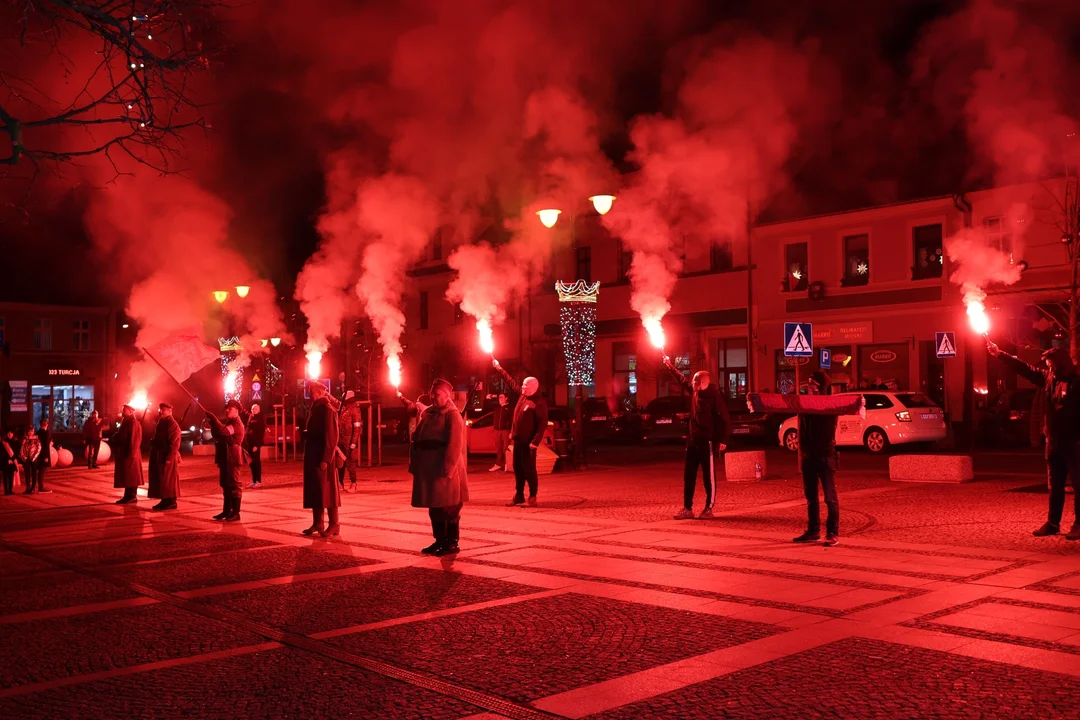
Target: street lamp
(275,341)
(221,295)
(602,203)
(549,216)
(242,291)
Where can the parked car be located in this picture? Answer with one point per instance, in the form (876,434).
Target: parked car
(289,433)
(1008,418)
(558,436)
(598,421)
(666,418)
(753,426)
(892,418)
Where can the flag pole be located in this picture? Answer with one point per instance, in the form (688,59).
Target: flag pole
(193,398)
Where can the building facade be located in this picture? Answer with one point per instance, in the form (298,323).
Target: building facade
(58,364)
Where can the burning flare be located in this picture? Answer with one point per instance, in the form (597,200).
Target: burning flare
(393,362)
(139,401)
(230,382)
(980,321)
(314,363)
(487,341)
(655,330)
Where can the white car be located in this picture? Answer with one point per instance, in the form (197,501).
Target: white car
(892,418)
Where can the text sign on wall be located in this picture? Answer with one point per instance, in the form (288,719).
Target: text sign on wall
(64,372)
(856,332)
(19,395)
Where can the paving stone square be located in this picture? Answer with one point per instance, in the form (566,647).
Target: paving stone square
(869,680)
(41,650)
(16,563)
(535,648)
(157,547)
(50,591)
(234,567)
(318,605)
(282,683)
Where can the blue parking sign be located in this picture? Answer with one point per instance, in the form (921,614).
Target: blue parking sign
(798,340)
(825,358)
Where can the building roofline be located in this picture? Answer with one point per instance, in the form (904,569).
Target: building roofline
(853,211)
(102,309)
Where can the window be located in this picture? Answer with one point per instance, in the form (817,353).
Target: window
(626,259)
(796,270)
(883,367)
(80,336)
(999,235)
(584,264)
(624,372)
(423,310)
(43,334)
(720,256)
(731,367)
(856,260)
(926,241)
(877,402)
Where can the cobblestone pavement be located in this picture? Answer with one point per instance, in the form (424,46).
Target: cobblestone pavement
(937,603)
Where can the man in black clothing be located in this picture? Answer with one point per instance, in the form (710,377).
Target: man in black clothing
(254,438)
(527,428)
(44,460)
(710,426)
(817,447)
(92,435)
(9,460)
(502,419)
(1061,424)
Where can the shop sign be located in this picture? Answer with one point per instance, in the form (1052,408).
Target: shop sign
(855,332)
(882,356)
(64,372)
(19,396)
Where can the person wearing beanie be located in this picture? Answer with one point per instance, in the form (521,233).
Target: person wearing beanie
(229,456)
(165,460)
(350,430)
(438,462)
(527,428)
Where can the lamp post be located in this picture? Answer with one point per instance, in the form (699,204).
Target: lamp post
(577,320)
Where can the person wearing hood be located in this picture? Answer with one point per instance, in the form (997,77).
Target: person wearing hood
(126,446)
(165,460)
(321,491)
(527,428)
(229,456)
(350,430)
(254,436)
(438,462)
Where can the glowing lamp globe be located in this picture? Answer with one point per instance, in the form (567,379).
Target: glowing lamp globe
(602,203)
(242,291)
(275,341)
(549,216)
(264,342)
(221,295)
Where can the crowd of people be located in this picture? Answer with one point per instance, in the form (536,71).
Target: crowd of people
(25,456)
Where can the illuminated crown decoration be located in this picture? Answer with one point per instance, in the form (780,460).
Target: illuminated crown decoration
(578,291)
(229,344)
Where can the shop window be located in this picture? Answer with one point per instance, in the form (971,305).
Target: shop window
(856,260)
(423,310)
(624,372)
(999,235)
(626,258)
(43,334)
(80,336)
(584,264)
(731,367)
(785,372)
(720,257)
(796,267)
(927,246)
(883,367)
(41,403)
(841,367)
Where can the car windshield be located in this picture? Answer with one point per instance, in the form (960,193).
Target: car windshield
(676,403)
(915,400)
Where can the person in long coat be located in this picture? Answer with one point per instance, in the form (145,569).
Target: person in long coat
(321,490)
(229,455)
(438,464)
(350,432)
(165,460)
(126,446)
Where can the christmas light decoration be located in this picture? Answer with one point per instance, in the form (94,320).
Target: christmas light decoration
(577,320)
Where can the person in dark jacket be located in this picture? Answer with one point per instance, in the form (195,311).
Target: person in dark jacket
(92,437)
(165,460)
(1060,385)
(321,491)
(126,446)
(229,455)
(9,460)
(710,426)
(527,427)
(254,437)
(350,431)
(438,463)
(502,420)
(44,461)
(29,452)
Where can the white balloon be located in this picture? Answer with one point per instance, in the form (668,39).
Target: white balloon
(64,458)
(104,452)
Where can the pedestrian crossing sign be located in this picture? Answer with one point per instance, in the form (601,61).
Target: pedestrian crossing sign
(798,340)
(945,343)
